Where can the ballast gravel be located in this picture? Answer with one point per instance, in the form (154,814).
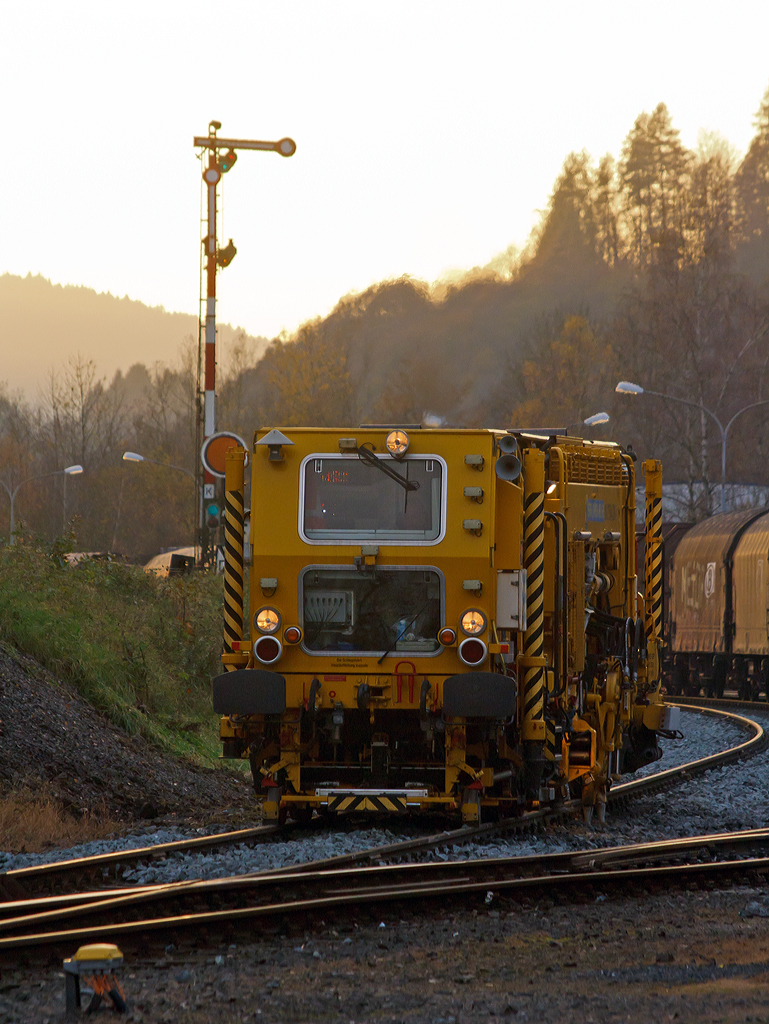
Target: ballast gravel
(687,956)
(728,799)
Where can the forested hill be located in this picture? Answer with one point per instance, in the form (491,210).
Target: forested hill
(43,325)
(651,266)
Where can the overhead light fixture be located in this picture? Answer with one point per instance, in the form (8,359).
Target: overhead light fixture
(397,443)
(275,441)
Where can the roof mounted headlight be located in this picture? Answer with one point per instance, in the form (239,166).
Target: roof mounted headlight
(397,443)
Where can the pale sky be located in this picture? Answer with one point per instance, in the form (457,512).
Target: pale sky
(429,132)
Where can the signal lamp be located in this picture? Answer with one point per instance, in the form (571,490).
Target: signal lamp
(473,622)
(472,651)
(447,637)
(397,443)
(267,620)
(286,147)
(213,514)
(226,160)
(226,255)
(292,635)
(267,649)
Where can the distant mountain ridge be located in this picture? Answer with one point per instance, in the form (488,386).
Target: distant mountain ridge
(42,325)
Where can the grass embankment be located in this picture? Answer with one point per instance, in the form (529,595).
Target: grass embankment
(143,650)
(140,649)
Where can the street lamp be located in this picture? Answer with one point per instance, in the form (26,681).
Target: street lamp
(596,419)
(135,457)
(68,471)
(625,387)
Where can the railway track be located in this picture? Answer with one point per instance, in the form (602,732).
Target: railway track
(383,873)
(106,869)
(307,890)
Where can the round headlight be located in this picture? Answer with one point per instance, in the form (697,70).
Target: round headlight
(267,620)
(472,622)
(267,649)
(397,443)
(472,651)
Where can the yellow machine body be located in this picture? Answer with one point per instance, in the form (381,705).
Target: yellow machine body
(455,627)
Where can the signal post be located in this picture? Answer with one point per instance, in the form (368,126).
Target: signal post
(222,156)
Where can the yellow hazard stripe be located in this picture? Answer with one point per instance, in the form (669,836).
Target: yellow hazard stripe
(233,570)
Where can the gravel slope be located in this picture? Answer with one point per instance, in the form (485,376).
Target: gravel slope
(51,739)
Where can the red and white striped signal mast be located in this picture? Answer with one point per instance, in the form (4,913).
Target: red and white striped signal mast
(221,157)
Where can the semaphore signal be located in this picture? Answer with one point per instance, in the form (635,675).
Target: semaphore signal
(221,158)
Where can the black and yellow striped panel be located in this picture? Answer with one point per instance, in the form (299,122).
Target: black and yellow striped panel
(653,567)
(371,802)
(233,570)
(533,644)
(550,750)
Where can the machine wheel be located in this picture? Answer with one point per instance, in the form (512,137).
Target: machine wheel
(302,815)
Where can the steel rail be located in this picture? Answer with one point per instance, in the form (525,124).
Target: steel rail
(13,879)
(370,895)
(749,748)
(492,871)
(15,882)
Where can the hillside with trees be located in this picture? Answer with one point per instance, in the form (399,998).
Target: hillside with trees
(651,267)
(44,324)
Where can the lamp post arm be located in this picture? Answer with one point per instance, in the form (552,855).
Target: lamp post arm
(753,405)
(29,480)
(167,465)
(12,495)
(694,405)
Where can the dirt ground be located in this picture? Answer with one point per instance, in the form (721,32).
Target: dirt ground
(688,956)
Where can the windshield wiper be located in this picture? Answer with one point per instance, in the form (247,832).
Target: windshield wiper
(366,455)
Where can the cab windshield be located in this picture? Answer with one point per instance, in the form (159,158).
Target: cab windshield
(346,498)
(384,611)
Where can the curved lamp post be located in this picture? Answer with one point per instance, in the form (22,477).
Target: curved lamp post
(136,457)
(68,471)
(626,387)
